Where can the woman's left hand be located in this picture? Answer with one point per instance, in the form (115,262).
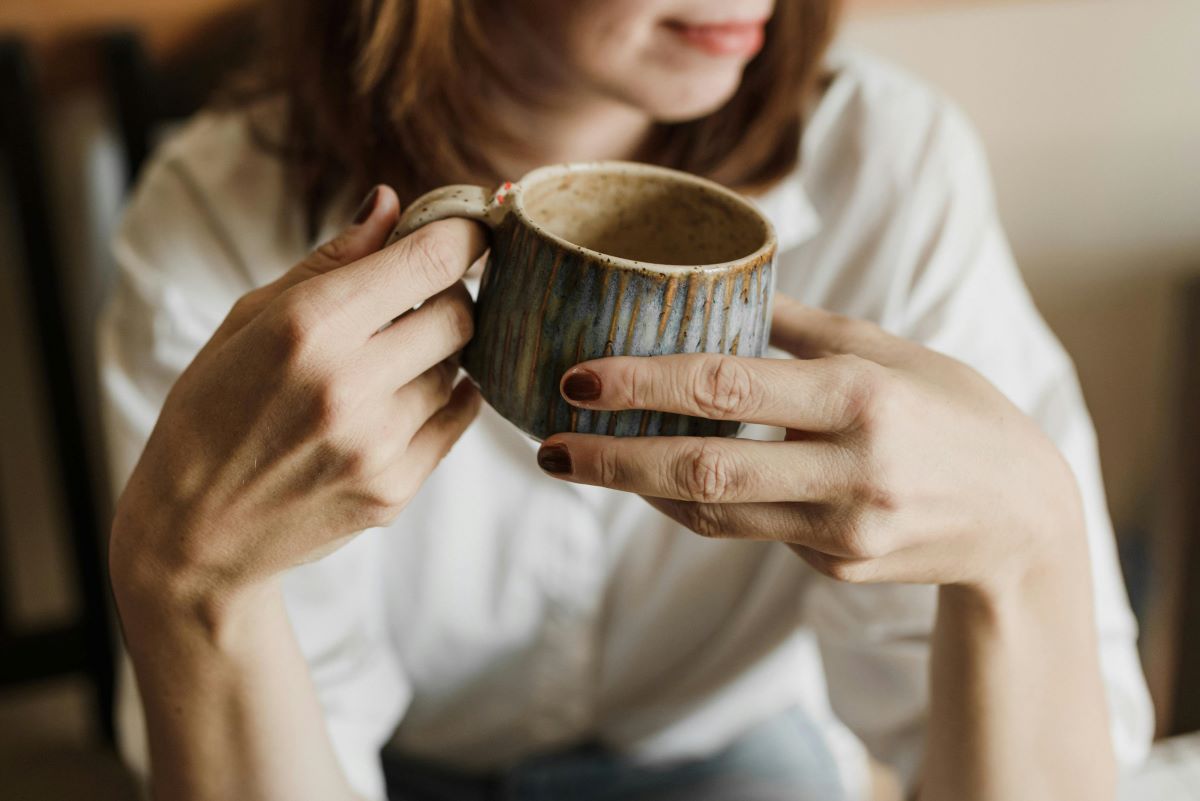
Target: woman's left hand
(899,464)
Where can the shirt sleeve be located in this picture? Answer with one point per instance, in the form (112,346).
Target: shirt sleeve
(179,270)
(953,286)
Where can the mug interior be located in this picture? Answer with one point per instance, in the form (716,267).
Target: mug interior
(650,215)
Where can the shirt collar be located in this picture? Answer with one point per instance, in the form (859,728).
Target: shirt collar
(790,210)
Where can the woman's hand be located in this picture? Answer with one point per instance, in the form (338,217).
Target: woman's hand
(306,417)
(317,409)
(899,464)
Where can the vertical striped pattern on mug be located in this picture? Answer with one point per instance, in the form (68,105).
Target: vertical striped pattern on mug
(565,306)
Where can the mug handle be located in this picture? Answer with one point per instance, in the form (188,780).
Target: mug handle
(456,200)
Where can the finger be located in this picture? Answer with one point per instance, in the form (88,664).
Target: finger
(434,439)
(804,527)
(808,333)
(845,568)
(378,288)
(421,338)
(704,469)
(366,234)
(422,398)
(814,395)
(745,521)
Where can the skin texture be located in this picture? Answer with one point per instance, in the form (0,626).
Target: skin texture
(305,420)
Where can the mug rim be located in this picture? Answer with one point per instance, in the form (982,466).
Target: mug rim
(541,174)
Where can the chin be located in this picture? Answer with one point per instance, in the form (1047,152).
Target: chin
(689,98)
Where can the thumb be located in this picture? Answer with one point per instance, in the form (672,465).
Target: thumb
(367,233)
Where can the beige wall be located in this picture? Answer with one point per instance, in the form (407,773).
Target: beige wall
(1090,110)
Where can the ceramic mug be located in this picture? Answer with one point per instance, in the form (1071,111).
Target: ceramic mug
(607,259)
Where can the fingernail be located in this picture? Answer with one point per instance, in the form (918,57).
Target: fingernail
(554,459)
(582,385)
(368,206)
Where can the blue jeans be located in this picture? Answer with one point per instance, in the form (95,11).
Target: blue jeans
(783,759)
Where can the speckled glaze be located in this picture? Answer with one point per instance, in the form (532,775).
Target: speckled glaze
(546,303)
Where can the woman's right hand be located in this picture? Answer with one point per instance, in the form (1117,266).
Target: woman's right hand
(305,419)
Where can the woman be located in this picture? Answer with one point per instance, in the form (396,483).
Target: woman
(948,602)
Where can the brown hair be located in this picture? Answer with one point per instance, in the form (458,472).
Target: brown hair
(392,90)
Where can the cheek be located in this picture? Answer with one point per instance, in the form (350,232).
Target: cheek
(672,91)
(668,85)
(620,49)
(606,42)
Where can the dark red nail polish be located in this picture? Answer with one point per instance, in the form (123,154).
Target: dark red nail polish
(368,206)
(582,385)
(554,459)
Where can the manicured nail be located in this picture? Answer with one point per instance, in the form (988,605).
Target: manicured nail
(582,385)
(554,459)
(368,206)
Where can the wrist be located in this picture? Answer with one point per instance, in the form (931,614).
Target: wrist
(159,594)
(1041,542)
(1053,580)
(156,620)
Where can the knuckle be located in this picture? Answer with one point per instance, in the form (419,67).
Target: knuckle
(374,513)
(444,375)
(388,496)
(634,383)
(859,389)
(858,542)
(458,315)
(870,490)
(705,473)
(193,549)
(332,404)
(250,304)
(849,571)
(384,514)
(724,387)
(431,252)
(366,468)
(297,324)
(374,463)
(333,252)
(355,463)
(707,520)
(608,467)
(880,497)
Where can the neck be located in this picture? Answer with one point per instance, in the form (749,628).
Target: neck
(580,131)
(561,120)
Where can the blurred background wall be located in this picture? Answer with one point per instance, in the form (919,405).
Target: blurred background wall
(1090,110)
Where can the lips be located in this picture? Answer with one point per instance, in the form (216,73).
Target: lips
(733,38)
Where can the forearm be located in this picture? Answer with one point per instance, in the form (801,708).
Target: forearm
(230,709)
(1017,701)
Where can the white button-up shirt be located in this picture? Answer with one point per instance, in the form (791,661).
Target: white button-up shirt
(506,613)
